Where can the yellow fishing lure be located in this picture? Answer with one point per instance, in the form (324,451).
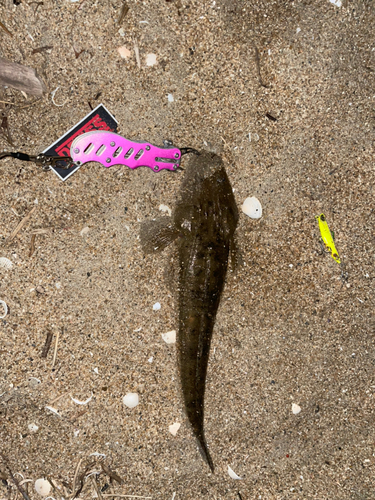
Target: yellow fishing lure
(327,237)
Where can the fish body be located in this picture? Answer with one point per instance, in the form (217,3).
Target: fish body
(203,222)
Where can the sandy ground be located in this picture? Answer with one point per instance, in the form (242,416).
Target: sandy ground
(288,329)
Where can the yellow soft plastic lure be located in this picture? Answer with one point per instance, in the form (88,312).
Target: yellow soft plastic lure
(327,237)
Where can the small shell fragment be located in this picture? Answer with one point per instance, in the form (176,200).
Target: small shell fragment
(232,474)
(165,208)
(124,52)
(78,402)
(131,399)
(174,428)
(33,427)
(84,231)
(6,263)
(42,487)
(151,59)
(53,410)
(295,409)
(156,306)
(3,309)
(252,208)
(169,337)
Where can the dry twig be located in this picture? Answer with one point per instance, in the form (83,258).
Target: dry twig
(24,221)
(18,486)
(124,11)
(47,345)
(32,245)
(55,351)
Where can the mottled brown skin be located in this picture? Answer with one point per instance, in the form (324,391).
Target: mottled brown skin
(204,220)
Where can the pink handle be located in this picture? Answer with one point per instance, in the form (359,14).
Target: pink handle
(110,149)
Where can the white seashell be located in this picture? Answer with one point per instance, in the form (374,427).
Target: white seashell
(296,409)
(6,263)
(232,474)
(170,98)
(33,427)
(5,307)
(96,454)
(174,428)
(156,307)
(96,370)
(169,337)
(252,208)
(165,208)
(150,360)
(78,402)
(43,487)
(131,399)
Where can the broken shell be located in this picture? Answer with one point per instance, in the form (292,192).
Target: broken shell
(78,402)
(33,427)
(131,399)
(252,208)
(6,263)
(43,487)
(169,337)
(232,474)
(5,307)
(156,306)
(174,428)
(296,409)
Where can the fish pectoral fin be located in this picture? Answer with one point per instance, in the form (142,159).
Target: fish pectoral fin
(155,235)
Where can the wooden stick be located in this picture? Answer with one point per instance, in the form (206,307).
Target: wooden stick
(21,77)
(24,221)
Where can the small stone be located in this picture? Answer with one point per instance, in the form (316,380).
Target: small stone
(170,98)
(84,231)
(156,306)
(33,427)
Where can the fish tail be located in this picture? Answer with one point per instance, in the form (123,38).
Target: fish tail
(204,451)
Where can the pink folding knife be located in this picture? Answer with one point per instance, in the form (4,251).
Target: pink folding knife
(110,149)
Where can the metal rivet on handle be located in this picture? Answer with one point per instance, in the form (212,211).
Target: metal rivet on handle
(112,144)
(176,165)
(108,160)
(76,151)
(156,168)
(148,148)
(176,155)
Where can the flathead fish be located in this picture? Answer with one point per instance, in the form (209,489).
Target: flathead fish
(203,224)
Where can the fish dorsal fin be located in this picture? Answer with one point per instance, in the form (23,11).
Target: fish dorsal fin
(157,234)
